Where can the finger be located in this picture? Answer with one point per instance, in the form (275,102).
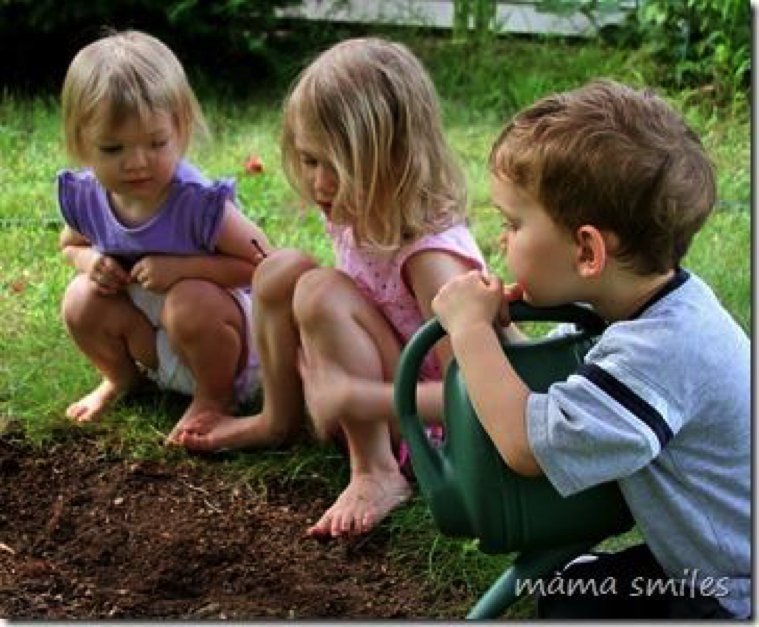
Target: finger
(504,315)
(494,283)
(120,275)
(514,291)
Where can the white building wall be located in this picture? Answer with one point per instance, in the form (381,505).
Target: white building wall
(511,17)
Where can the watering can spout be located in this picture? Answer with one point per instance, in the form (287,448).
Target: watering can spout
(439,485)
(434,471)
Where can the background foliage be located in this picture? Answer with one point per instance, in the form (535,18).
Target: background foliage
(703,44)
(706,42)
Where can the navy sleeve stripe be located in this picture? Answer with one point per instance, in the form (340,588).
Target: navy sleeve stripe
(628,399)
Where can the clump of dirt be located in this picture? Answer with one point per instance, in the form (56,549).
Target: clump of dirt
(87,536)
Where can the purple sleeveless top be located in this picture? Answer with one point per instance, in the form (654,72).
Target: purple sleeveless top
(187,224)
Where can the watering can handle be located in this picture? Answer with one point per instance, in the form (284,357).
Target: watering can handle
(429,334)
(583,317)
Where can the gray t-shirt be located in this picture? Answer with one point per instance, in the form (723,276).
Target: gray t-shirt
(662,404)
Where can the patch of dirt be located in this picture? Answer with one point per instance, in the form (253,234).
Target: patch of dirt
(86,536)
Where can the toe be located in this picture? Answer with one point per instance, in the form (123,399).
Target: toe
(367,522)
(321,528)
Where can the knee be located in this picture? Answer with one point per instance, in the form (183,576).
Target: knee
(79,307)
(193,307)
(315,295)
(275,279)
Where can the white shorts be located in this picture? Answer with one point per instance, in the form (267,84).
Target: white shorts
(172,373)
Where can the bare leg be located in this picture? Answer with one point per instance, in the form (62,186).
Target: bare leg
(277,341)
(112,333)
(207,330)
(339,324)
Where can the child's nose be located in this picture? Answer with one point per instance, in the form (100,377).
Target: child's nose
(135,158)
(324,179)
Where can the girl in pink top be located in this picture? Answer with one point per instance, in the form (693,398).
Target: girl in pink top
(363,140)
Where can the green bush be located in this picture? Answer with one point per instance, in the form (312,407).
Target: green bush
(699,43)
(686,44)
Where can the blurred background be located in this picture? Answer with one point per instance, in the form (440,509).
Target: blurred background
(249,45)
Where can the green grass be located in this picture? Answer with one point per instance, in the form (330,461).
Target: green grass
(41,372)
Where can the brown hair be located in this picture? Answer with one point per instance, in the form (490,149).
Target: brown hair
(121,74)
(375,112)
(620,159)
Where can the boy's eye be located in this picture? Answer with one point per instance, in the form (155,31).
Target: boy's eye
(159,143)
(508,225)
(307,161)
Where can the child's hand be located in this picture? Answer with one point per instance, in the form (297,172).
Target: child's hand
(157,273)
(467,300)
(511,293)
(108,275)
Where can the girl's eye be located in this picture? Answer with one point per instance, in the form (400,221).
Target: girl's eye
(110,149)
(159,143)
(508,225)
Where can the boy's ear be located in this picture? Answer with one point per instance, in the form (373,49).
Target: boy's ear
(592,250)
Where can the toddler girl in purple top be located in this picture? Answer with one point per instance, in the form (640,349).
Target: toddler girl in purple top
(162,254)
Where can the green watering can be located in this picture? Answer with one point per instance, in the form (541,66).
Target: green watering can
(470,490)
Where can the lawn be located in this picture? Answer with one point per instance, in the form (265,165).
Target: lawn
(41,372)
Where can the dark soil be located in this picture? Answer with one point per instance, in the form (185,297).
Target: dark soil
(87,536)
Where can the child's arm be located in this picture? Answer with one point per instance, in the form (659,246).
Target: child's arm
(240,247)
(334,394)
(467,306)
(427,272)
(107,274)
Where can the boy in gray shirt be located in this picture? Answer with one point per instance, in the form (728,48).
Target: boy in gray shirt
(602,190)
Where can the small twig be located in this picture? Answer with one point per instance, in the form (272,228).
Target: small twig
(193,487)
(204,492)
(213,507)
(260,250)
(6,548)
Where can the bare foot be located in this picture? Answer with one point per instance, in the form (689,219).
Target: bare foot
(207,413)
(364,503)
(90,407)
(210,432)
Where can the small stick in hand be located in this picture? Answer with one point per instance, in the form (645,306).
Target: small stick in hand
(260,250)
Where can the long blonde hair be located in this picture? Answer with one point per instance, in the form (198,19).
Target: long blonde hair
(375,112)
(123,74)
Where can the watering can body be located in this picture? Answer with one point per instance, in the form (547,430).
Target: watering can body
(471,492)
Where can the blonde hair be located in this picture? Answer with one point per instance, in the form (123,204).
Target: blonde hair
(617,158)
(374,110)
(123,74)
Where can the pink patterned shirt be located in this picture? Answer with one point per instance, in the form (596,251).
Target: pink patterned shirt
(380,276)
